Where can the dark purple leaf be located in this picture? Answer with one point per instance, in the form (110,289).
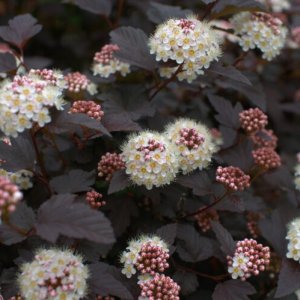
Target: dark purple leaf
(20,223)
(134,49)
(279,219)
(8,285)
(64,122)
(224,238)
(254,92)
(100,7)
(121,211)
(159,13)
(73,182)
(102,282)
(199,182)
(168,233)
(229,136)
(233,290)
(239,156)
(20,155)
(227,114)
(20,29)
(235,6)
(229,72)
(192,247)
(289,278)
(7,62)
(188,282)
(119,182)
(61,215)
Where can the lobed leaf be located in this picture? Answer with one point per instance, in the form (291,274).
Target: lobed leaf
(233,290)
(20,29)
(61,215)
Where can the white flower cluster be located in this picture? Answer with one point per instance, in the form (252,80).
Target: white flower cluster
(130,256)
(190,42)
(53,275)
(276,5)
(21,178)
(105,64)
(150,159)
(193,143)
(293,237)
(260,30)
(297,177)
(27,99)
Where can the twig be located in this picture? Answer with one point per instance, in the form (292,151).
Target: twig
(207,207)
(166,82)
(119,12)
(208,9)
(239,59)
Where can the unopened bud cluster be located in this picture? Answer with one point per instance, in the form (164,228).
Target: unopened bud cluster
(189,42)
(249,259)
(147,255)
(106,64)
(266,158)
(293,237)
(93,198)
(27,99)
(88,107)
(205,218)
(233,178)
(52,275)
(77,82)
(10,196)
(264,138)
(159,287)
(253,120)
(109,164)
(150,159)
(252,223)
(260,30)
(193,143)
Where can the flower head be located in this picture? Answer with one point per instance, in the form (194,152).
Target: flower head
(21,178)
(260,30)
(266,158)
(293,237)
(109,164)
(10,195)
(77,82)
(88,107)
(148,255)
(53,274)
(187,41)
(233,178)
(27,99)
(160,287)
(249,259)
(150,159)
(193,143)
(253,120)
(106,64)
